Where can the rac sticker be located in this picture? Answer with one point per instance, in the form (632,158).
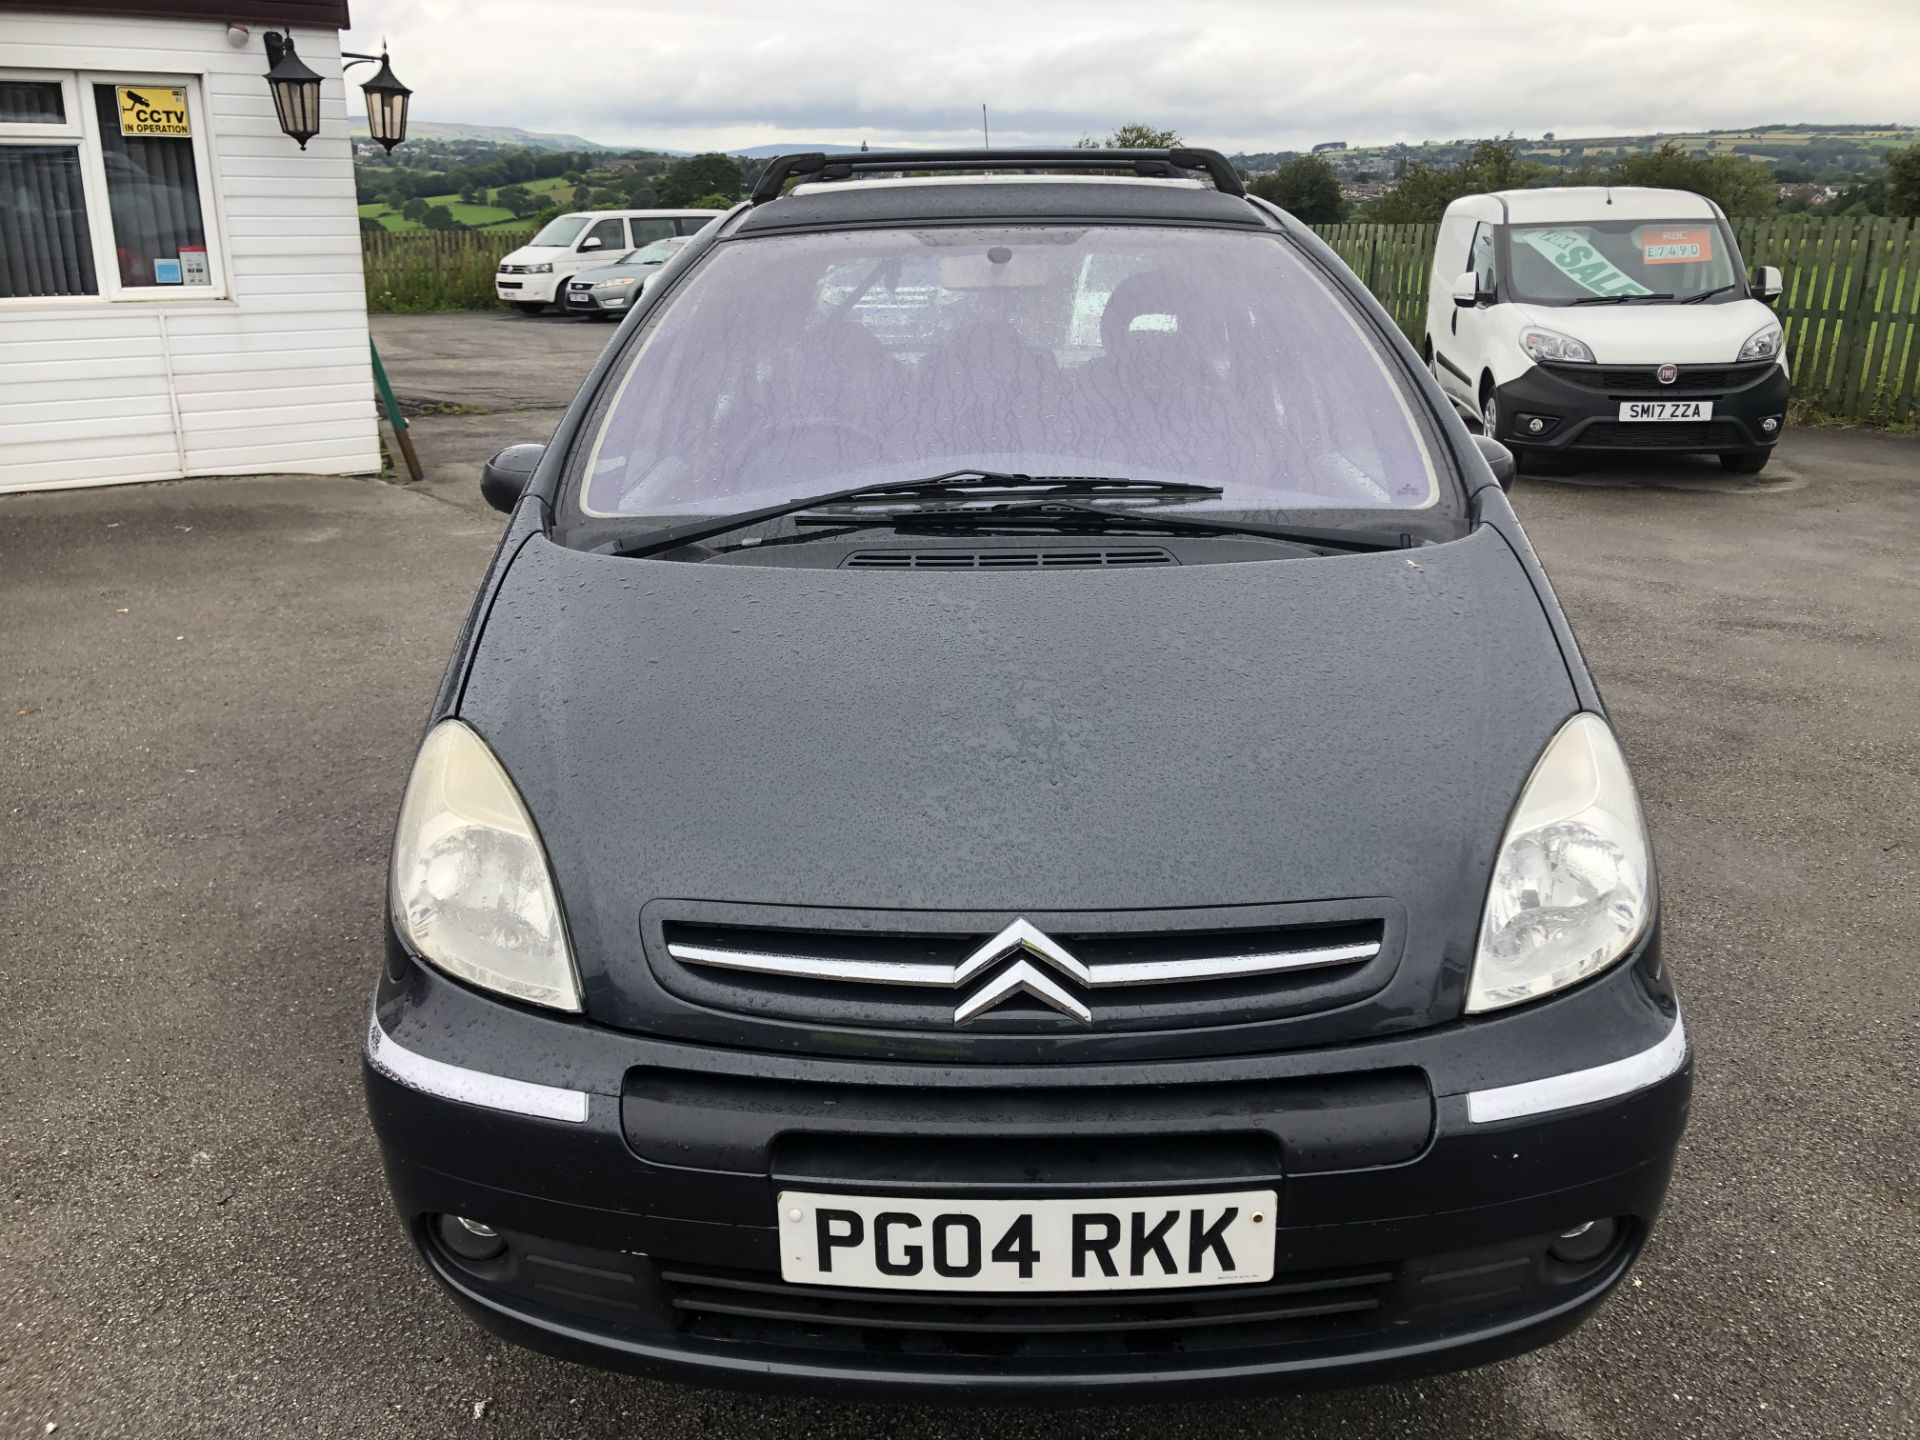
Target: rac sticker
(1570,254)
(153,111)
(1676,247)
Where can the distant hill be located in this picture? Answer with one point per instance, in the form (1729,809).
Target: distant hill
(489,134)
(793,147)
(1827,149)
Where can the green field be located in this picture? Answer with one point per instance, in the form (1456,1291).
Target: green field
(474,217)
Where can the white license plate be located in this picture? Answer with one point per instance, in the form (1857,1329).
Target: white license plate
(1161,1242)
(1666,409)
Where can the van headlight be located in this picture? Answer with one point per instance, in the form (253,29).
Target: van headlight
(1763,344)
(472,891)
(1543,344)
(1572,882)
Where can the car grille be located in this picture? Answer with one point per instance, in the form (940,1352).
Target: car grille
(1661,435)
(752,1307)
(1168,970)
(1644,379)
(1082,559)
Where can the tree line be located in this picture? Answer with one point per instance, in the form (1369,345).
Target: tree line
(1307,186)
(636,181)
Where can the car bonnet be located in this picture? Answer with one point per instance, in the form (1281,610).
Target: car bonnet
(1207,735)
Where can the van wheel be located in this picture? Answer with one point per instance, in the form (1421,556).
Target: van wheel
(1750,463)
(527,307)
(1489,413)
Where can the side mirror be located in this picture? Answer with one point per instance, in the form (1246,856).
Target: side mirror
(1467,292)
(589,244)
(503,479)
(1767,285)
(1499,459)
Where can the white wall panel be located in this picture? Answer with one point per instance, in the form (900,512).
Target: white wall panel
(274,379)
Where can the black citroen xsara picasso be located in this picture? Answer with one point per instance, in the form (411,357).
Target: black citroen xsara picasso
(1015,819)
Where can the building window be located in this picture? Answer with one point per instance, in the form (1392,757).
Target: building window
(32,102)
(103,189)
(45,246)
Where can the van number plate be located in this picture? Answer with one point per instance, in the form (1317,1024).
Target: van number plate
(1666,409)
(1158,1242)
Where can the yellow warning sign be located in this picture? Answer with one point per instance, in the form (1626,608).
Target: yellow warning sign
(150,110)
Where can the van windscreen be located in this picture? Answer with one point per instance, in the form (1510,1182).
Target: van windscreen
(561,231)
(1570,261)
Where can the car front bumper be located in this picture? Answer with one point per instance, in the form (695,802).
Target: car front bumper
(1578,410)
(528,289)
(596,302)
(1422,1180)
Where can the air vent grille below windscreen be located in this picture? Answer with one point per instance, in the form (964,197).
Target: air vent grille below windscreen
(1072,558)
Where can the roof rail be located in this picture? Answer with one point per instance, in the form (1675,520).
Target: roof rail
(1153,163)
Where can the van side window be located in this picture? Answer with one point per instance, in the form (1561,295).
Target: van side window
(1480,257)
(607,232)
(645,232)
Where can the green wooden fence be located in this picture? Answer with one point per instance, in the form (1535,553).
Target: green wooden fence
(426,270)
(1851,306)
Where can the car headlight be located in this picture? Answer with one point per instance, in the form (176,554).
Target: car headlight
(1572,882)
(542,269)
(1763,344)
(621,280)
(472,892)
(1552,345)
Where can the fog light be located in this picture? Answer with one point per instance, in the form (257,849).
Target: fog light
(1534,426)
(1770,424)
(1585,1242)
(470,1239)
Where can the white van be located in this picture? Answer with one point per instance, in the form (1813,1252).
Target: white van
(1606,318)
(535,276)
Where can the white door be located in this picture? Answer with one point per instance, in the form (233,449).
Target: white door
(604,242)
(1464,347)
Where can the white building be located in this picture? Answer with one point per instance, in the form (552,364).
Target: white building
(180,284)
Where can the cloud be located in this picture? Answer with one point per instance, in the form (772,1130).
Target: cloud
(1250,74)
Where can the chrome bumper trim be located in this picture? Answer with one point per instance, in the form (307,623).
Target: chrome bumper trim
(1582,1087)
(470,1087)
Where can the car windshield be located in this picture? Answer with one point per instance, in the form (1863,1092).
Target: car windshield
(656,253)
(1565,263)
(561,231)
(819,361)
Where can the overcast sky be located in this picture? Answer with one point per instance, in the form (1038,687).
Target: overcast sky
(1238,74)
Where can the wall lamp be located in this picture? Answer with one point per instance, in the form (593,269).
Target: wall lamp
(296,93)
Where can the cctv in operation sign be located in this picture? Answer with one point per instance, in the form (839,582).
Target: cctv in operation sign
(149,111)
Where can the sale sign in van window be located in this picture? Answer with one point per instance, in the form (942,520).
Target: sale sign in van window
(1676,247)
(1573,253)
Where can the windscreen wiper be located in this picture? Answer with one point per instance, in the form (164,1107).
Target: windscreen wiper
(1618,299)
(1077,515)
(1706,294)
(965,483)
